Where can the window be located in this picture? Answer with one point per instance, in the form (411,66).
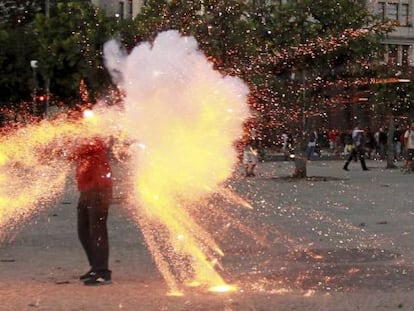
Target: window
(381,10)
(392,11)
(404,14)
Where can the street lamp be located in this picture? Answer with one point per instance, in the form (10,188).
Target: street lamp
(34,64)
(44,95)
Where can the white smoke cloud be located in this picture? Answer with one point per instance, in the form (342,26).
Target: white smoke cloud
(178,106)
(114,59)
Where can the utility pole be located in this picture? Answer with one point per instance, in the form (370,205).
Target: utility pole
(47,82)
(47,8)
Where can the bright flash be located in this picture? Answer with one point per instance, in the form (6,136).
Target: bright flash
(175,294)
(88,114)
(90,117)
(223,288)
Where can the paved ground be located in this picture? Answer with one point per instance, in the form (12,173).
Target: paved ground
(335,241)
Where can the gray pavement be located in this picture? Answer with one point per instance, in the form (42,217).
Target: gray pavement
(336,240)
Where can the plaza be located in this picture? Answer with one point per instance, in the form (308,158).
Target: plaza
(336,240)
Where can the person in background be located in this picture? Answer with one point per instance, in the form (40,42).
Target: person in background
(94,182)
(369,142)
(358,150)
(404,129)
(333,135)
(382,142)
(409,144)
(397,143)
(312,138)
(285,138)
(250,160)
(287,144)
(347,142)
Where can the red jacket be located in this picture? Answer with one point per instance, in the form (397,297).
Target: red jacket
(93,171)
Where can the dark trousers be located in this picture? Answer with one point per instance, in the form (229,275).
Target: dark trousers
(93,209)
(357,152)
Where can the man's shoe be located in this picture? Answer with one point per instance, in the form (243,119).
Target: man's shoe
(87,275)
(97,280)
(345,168)
(365,169)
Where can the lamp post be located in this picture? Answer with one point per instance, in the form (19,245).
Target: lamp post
(47,80)
(34,64)
(47,8)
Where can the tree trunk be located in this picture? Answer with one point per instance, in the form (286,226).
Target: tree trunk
(300,159)
(390,144)
(300,166)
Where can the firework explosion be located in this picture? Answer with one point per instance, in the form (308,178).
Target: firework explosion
(181,119)
(184,118)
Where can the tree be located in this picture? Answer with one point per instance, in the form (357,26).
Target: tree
(329,44)
(16,80)
(70,47)
(291,55)
(18,47)
(17,13)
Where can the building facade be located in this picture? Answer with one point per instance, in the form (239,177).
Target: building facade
(400,42)
(120,8)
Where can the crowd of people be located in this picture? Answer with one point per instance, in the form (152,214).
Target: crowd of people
(375,143)
(342,143)
(359,143)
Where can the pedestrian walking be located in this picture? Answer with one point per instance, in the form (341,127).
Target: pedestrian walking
(358,150)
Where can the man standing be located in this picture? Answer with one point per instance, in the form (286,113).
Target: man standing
(312,138)
(94,181)
(358,149)
(250,160)
(333,135)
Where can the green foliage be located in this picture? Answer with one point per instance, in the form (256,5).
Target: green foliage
(284,52)
(70,47)
(15,55)
(67,46)
(16,13)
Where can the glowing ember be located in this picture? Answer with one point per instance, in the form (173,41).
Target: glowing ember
(223,289)
(175,294)
(88,114)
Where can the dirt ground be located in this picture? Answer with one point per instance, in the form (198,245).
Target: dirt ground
(335,241)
